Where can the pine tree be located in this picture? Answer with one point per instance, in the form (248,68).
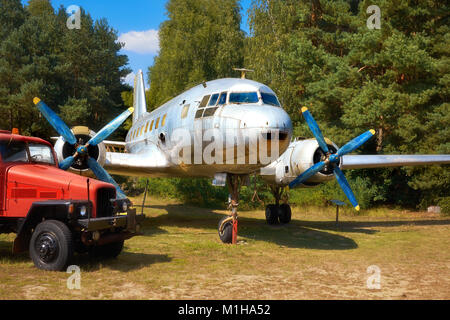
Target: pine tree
(77,72)
(394,80)
(200,41)
(40,7)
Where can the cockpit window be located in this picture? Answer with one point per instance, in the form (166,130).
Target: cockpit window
(213,100)
(204,101)
(244,97)
(223,98)
(271,99)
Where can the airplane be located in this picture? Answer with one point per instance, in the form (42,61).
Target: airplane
(222,129)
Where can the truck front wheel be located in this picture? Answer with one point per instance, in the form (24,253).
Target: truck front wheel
(51,246)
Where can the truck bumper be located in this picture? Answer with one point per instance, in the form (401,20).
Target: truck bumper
(129,222)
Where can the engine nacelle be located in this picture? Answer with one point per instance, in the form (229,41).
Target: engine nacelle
(83,135)
(299,157)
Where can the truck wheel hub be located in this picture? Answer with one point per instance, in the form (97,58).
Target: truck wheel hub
(47,247)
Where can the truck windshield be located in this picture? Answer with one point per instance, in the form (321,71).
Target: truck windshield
(20,151)
(41,153)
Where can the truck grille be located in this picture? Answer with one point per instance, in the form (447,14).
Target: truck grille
(104,205)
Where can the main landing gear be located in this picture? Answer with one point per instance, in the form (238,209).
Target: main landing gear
(228,226)
(279,212)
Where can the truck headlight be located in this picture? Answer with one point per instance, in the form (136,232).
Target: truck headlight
(83,211)
(124,206)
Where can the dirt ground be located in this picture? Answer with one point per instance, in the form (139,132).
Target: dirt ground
(379,254)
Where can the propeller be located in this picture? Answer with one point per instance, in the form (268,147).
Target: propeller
(332,159)
(82,149)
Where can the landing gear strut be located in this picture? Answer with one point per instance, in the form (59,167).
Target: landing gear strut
(279,213)
(228,226)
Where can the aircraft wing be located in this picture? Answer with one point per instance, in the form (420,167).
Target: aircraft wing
(150,160)
(382,161)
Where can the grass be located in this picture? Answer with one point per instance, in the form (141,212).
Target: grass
(179,256)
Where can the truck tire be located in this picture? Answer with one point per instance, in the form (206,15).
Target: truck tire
(51,246)
(107,251)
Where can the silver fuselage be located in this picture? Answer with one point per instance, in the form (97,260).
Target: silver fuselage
(237,122)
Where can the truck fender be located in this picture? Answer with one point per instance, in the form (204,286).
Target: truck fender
(39,211)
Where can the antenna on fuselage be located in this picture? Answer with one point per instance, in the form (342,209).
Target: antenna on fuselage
(243,72)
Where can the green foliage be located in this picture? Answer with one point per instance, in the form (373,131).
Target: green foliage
(444,203)
(77,71)
(200,41)
(395,80)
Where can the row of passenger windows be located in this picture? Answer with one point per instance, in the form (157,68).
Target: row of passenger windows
(148,127)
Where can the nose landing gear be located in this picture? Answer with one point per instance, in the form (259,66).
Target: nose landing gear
(228,226)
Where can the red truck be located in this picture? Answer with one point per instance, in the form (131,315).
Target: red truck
(56,213)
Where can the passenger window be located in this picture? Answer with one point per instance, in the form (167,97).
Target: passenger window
(213,100)
(157,123)
(163,122)
(185,111)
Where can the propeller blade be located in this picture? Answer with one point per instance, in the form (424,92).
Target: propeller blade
(110,128)
(67,162)
(102,175)
(346,187)
(314,127)
(55,121)
(355,143)
(307,174)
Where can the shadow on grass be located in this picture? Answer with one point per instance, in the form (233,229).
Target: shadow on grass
(7,255)
(293,235)
(126,261)
(358,226)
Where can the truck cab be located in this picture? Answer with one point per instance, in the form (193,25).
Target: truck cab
(57,213)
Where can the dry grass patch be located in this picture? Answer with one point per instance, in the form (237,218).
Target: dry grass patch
(179,256)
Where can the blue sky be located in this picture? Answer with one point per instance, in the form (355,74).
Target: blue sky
(136,22)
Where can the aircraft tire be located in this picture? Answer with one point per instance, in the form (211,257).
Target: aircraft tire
(226,236)
(272,214)
(285,213)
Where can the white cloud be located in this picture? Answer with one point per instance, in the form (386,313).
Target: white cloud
(129,79)
(143,42)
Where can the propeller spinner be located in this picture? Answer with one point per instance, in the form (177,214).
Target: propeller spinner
(332,159)
(81,148)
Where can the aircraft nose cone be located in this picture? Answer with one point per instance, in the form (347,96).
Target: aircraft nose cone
(267,117)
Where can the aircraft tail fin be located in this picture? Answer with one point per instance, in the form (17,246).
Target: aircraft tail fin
(140,105)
